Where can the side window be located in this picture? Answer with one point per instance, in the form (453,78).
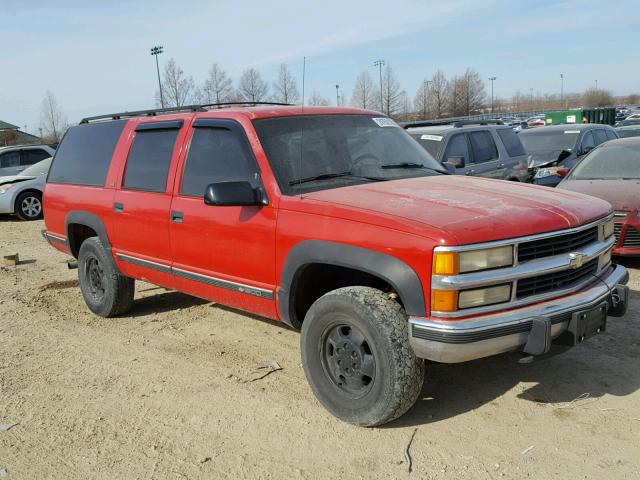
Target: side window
(29,157)
(611,135)
(511,142)
(587,142)
(10,159)
(457,147)
(484,148)
(149,159)
(599,136)
(216,155)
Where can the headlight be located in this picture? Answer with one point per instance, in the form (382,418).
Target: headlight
(4,188)
(550,171)
(484,296)
(607,229)
(453,263)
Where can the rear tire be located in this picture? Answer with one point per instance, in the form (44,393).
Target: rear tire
(357,358)
(29,206)
(106,292)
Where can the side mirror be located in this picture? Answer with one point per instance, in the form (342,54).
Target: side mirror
(457,162)
(233,193)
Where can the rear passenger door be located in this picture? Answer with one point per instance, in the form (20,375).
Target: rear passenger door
(222,253)
(486,162)
(140,228)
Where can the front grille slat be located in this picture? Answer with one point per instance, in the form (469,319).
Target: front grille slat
(631,237)
(555,281)
(560,244)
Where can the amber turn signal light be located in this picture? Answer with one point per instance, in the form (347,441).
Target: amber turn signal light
(445,263)
(444,300)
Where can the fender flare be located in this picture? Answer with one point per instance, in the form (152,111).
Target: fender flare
(404,279)
(88,219)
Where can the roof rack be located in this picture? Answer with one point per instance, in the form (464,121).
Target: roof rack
(453,123)
(186,108)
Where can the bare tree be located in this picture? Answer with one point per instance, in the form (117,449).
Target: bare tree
(438,93)
(218,87)
(177,89)
(597,98)
(391,93)
(422,99)
(365,95)
(474,93)
(632,99)
(285,89)
(52,119)
(251,87)
(317,100)
(457,95)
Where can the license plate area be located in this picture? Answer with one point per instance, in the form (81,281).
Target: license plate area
(587,323)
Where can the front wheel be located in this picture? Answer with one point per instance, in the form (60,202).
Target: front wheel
(357,358)
(29,206)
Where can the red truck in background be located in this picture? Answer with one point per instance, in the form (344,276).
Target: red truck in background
(334,221)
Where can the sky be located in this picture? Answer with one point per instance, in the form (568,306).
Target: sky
(94,55)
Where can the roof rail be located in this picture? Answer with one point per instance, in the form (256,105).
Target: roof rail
(186,108)
(454,123)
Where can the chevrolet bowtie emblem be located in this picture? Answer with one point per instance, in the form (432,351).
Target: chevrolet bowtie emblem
(576,259)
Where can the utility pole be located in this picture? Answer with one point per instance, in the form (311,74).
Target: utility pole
(492,80)
(531,97)
(425,89)
(155,51)
(379,64)
(337,95)
(561,90)
(596,85)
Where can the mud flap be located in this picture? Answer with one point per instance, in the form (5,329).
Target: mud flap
(539,340)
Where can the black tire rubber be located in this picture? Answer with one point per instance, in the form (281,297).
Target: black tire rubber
(21,214)
(117,297)
(399,374)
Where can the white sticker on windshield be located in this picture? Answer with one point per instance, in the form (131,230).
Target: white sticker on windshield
(385,122)
(572,131)
(435,138)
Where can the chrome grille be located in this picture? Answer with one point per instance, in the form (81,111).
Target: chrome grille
(617,229)
(555,281)
(547,247)
(631,237)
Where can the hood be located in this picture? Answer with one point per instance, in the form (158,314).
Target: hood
(622,194)
(542,157)
(471,210)
(14,179)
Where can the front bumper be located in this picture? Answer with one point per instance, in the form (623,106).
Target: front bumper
(6,202)
(486,335)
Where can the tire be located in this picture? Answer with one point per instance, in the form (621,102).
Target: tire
(106,292)
(29,206)
(383,377)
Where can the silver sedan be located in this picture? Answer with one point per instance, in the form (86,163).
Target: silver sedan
(22,194)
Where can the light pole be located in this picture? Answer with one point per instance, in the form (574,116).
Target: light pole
(155,51)
(493,79)
(425,90)
(596,85)
(561,90)
(531,97)
(379,64)
(337,95)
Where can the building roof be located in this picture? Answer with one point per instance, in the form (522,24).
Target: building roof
(7,126)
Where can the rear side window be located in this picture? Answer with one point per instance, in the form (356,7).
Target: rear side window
(10,159)
(29,157)
(216,155)
(600,136)
(484,148)
(149,160)
(84,155)
(611,134)
(511,142)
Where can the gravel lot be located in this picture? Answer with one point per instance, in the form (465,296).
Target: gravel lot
(161,393)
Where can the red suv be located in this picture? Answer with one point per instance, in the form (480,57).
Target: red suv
(334,221)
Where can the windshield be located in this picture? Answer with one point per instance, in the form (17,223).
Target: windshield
(340,150)
(36,169)
(554,140)
(431,143)
(609,163)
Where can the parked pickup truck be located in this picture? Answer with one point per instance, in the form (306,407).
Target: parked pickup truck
(334,221)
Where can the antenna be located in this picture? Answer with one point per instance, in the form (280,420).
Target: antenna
(304,71)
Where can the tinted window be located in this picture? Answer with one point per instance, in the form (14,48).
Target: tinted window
(10,159)
(431,143)
(511,142)
(457,147)
(599,136)
(216,155)
(29,157)
(149,159)
(611,135)
(587,141)
(484,148)
(84,155)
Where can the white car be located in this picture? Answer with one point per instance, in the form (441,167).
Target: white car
(22,194)
(15,159)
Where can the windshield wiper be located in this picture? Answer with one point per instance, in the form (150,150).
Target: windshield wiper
(409,165)
(327,176)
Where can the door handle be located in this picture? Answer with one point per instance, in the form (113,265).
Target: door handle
(471,172)
(176,217)
(118,207)
(501,165)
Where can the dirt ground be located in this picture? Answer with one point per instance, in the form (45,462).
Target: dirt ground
(162,393)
